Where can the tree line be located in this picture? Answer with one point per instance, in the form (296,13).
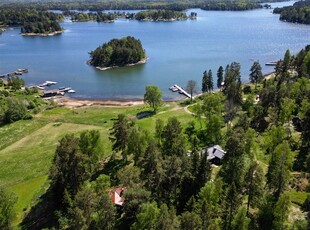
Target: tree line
(30,20)
(298,13)
(159,15)
(84,17)
(134,5)
(14,108)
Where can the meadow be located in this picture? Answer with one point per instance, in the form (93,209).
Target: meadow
(27,147)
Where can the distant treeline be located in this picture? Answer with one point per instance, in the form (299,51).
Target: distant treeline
(31,21)
(150,15)
(231,6)
(83,17)
(136,5)
(298,13)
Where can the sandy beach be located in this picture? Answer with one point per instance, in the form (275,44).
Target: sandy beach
(77,103)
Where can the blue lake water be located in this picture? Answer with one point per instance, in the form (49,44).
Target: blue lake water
(178,51)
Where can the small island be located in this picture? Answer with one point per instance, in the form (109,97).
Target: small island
(126,51)
(160,15)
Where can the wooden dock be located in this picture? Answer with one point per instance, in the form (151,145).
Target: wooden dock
(272,63)
(182,91)
(15,73)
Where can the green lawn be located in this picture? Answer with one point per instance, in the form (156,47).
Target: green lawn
(27,147)
(14,132)
(25,163)
(27,192)
(31,156)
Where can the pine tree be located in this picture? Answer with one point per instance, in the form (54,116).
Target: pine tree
(232,87)
(301,162)
(210,80)
(241,221)
(279,169)
(119,135)
(204,87)
(254,185)
(256,74)
(69,169)
(220,77)
(281,212)
(232,202)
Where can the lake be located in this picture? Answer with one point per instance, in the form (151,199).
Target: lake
(178,51)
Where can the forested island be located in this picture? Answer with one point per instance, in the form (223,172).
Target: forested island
(118,52)
(32,22)
(160,15)
(298,13)
(85,17)
(149,15)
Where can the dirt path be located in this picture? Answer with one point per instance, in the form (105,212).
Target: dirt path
(187,111)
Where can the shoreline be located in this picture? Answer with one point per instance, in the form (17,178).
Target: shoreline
(73,103)
(42,35)
(143,61)
(78,103)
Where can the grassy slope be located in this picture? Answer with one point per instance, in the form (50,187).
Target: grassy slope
(25,163)
(27,147)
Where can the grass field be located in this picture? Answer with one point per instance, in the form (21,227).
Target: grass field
(27,147)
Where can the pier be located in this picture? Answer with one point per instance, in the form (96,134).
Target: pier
(17,72)
(175,88)
(272,63)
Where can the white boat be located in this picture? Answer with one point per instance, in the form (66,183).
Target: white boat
(173,88)
(43,84)
(51,82)
(71,91)
(64,89)
(40,87)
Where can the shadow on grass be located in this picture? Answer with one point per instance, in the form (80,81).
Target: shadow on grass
(145,114)
(42,214)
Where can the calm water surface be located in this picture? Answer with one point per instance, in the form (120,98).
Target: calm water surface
(178,51)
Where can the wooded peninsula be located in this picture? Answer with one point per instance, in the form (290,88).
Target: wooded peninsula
(298,13)
(32,21)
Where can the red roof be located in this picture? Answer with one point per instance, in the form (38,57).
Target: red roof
(117,195)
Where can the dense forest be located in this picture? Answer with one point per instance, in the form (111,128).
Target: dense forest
(167,179)
(149,15)
(233,6)
(136,5)
(298,13)
(160,15)
(31,21)
(118,52)
(84,17)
